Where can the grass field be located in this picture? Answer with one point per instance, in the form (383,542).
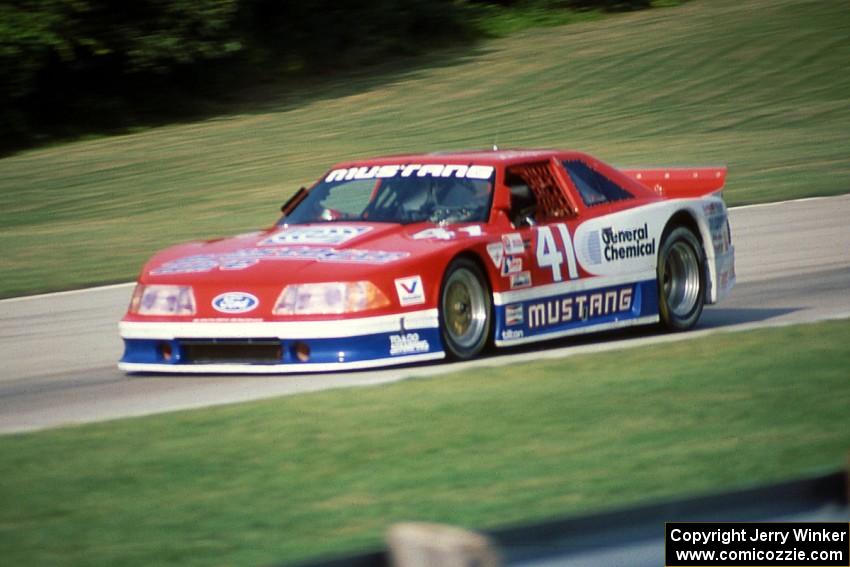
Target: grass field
(289,478)
(761,85)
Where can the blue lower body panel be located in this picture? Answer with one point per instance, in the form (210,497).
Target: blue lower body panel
(265,355)
(565,314)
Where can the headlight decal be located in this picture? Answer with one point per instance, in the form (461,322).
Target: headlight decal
(163,300)
(329,298)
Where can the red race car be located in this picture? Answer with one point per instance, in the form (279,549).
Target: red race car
(418,257)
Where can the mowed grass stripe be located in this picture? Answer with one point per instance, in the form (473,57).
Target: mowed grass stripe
(760,85)
(289,478)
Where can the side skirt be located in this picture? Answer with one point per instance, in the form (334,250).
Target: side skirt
(546,315)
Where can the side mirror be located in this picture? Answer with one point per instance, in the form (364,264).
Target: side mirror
(293,201)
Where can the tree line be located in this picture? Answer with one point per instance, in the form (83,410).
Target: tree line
(90,64)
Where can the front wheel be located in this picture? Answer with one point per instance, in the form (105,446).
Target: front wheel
(681,280)
(465,307)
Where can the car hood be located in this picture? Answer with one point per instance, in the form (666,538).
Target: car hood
(303,253)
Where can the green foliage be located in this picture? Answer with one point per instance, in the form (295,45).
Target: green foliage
(54,53)
(327,33)
(501,19)
(27,38)
(60,60)
(43,35)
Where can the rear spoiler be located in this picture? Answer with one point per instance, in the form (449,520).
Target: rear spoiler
(675,182)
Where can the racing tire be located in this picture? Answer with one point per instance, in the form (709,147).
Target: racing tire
(681,280)
(465,310)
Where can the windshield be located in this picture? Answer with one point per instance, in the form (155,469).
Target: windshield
(443,194)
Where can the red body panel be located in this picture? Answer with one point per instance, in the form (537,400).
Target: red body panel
(674,182)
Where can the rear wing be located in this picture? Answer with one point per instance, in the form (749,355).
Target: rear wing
(673,182)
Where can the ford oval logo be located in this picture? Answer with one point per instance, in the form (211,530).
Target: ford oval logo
(235,302)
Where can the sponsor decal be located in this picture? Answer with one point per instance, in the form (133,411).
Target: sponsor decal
(440,233)
(410,291)
(550,254)
(623,242)
(496,251)
(411,170)
(326,235)
(579,307)
(514,315)
(716,224)
(188,265)
(627,243)
(521,280)
(713,208)
(511,265)
(434,233)
(508,334)
(245,258)
(409,343)
(235,302)
(614,244)
(473,230)
(721,236)
(513,243)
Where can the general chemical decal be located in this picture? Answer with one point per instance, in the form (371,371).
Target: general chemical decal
(621,243)
(610,245)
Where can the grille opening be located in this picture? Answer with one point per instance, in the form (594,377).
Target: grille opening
(241,351)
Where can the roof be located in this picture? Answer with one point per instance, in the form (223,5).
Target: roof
(481,157)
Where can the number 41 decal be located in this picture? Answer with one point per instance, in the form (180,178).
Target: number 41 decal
(550,255)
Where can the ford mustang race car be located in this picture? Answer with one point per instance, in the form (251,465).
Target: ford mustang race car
(412,258)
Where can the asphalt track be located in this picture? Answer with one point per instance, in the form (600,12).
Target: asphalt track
(59,351)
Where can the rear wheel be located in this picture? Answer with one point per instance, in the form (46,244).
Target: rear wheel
(465,307)
(681,280)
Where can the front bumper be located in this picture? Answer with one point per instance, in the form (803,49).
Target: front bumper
(280,347)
